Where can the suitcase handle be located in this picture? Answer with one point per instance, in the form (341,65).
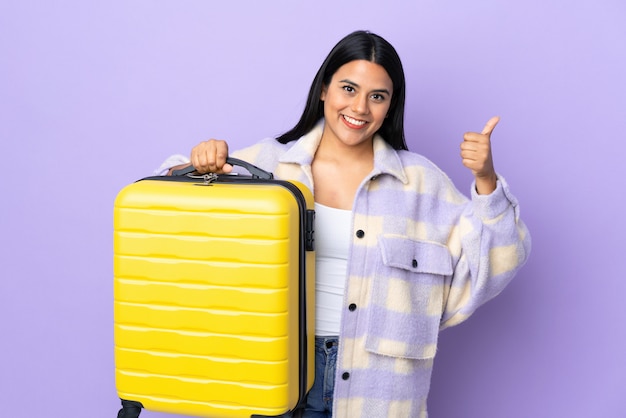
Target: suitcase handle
(255,171)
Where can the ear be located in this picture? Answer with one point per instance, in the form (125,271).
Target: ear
(323,93)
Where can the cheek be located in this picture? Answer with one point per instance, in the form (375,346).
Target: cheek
(382,115)
(333,102)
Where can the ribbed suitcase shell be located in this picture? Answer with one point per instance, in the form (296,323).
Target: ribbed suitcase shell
(209,297)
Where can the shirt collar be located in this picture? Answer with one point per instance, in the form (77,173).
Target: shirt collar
(386,159)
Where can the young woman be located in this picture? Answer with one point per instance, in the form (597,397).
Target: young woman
(401,253)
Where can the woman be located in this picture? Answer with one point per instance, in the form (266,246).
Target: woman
(401,253)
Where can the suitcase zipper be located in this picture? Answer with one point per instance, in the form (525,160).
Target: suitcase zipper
(207,178)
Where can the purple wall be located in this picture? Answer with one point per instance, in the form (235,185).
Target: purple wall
(93,95)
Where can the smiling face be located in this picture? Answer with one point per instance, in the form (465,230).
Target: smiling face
(356,102)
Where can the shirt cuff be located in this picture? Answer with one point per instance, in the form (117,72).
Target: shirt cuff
(490,206)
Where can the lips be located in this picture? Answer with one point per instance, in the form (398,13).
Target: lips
(357,123)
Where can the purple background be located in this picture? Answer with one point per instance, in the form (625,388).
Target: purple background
(94,95)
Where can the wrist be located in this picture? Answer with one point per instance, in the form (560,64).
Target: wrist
(486,184)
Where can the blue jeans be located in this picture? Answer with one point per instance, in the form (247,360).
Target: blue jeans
(319,401)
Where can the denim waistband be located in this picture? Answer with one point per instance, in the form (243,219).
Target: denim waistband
(326,342)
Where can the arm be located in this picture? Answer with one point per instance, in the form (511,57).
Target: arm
(493,242)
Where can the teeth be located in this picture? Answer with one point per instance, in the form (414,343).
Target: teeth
(354,121)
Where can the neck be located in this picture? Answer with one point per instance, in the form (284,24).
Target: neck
(330,150)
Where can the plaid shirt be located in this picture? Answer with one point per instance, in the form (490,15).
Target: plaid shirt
(422,257)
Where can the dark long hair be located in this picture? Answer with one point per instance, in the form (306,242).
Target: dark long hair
(359,45)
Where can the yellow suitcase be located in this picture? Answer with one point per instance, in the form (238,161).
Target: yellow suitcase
(214,295)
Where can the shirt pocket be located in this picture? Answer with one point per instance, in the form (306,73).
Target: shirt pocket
(407,297)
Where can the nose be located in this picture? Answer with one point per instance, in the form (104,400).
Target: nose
(360,104)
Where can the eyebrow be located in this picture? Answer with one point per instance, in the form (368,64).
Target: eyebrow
(352,83)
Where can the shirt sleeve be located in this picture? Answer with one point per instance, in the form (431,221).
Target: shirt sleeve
(171,161)
(493,245)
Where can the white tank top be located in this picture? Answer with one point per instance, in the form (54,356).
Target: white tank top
(332,240)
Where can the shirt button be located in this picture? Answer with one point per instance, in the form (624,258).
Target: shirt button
(352,307)
(414,263)
(360,233)
(345,376)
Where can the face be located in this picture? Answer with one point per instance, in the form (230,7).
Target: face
(356,102)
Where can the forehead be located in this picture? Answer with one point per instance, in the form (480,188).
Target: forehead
(364,73)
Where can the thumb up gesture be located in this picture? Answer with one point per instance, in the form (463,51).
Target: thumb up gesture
(476,155)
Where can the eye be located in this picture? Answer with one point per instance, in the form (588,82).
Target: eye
(348,88)
(378,97)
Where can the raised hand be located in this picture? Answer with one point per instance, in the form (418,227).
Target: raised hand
(476,155)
